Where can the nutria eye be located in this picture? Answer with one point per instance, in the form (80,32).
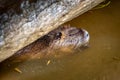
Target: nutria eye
(58,35)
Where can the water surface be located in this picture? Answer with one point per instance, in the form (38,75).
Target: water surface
(101,61)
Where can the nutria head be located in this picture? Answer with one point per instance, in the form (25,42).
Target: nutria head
(70,37)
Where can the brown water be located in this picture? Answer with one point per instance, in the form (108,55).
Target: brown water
(101,61)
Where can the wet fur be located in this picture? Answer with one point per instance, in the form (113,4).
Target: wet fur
(46,46)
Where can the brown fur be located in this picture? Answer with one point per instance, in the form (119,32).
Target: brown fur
(47,45)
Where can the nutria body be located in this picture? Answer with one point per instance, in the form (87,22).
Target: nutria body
(64,38)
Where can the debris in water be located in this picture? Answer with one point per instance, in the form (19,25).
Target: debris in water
(18,70)
(102,5)
(116,58)
(48,62)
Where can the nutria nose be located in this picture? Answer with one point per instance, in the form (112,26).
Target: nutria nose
(86,36)
(84,33)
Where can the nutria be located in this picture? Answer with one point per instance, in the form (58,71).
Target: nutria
(64,38)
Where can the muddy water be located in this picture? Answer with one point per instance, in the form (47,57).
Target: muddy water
(101,61)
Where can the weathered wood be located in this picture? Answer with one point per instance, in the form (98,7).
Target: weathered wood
(21,25)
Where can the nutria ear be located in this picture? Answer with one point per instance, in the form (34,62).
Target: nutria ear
(66,26)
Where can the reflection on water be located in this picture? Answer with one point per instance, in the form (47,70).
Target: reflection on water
(100,61)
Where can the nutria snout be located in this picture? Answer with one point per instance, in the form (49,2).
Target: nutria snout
(65,37)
